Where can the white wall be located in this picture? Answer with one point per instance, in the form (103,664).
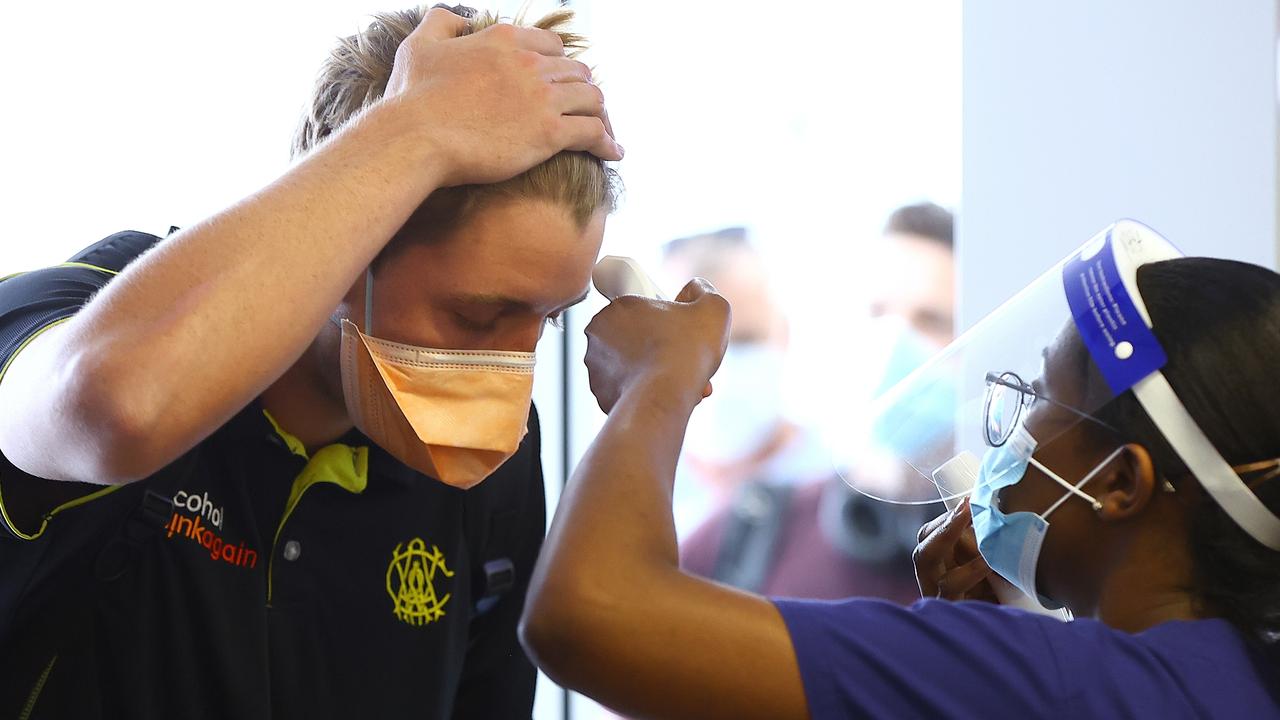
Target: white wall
(808,124)
(1079,113)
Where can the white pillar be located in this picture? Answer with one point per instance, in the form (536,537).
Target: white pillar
(1076,114)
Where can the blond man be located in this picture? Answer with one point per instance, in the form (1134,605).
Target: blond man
(282,463)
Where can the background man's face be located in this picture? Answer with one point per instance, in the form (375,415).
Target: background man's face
(915,280)
(742,277)
(490,284)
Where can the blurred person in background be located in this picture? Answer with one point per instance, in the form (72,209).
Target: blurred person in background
(801,531)
(741,449)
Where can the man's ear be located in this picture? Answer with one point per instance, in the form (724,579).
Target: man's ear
(1128,485)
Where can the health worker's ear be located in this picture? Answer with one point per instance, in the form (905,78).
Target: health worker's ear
(1126,486)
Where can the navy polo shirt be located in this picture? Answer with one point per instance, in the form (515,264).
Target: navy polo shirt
(249,579)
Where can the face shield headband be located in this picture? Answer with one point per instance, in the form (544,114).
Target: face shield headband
(1100,282)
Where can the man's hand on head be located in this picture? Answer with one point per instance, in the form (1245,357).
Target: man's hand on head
(459,10)
(495,103)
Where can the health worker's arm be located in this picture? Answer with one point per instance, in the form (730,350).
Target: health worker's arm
(196,328)
(609,612)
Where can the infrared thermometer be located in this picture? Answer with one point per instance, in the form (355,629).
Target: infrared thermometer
(614,276)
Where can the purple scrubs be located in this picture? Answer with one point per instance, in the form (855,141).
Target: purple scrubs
(872,659)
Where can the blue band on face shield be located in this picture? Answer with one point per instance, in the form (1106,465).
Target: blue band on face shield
(1106,304)
(1119,341)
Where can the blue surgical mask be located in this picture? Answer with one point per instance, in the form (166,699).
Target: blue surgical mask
(746,408)
(908,430)
(910,350)
(1010,543)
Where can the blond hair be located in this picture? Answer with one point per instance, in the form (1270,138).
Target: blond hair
(355,76)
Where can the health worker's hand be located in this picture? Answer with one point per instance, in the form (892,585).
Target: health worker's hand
(655,346)
(493,104)
(947,561)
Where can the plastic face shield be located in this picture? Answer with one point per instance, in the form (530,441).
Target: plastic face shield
(1049,357)
(1025,358)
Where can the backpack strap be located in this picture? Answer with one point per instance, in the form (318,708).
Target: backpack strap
(496,578)
(753,532)
(146,521)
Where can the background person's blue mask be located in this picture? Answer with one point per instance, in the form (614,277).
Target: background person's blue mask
(740,419)
(906,431)
(1010,543)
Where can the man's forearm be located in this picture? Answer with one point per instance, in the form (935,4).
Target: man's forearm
(194,330)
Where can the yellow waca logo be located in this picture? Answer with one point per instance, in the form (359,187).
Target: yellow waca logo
(411,580)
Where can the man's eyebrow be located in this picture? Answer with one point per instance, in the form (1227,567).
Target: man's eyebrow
(510,304)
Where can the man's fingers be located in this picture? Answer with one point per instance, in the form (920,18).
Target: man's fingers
(459,10)
(579,98)
(462,10)
(585,99)
(543,42)
(440,23)
(588,134)
(608,125)
(565,70)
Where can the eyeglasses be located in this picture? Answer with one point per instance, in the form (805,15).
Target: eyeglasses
(1007,399)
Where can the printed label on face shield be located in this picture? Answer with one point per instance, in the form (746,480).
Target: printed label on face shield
(1121,344)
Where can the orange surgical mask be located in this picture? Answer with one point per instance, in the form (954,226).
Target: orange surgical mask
(456,415)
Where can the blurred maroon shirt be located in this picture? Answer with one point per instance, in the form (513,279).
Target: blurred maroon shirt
(805,564)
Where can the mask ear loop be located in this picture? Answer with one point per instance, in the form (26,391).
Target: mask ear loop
(368,304)
(1075,489)
(368,300)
